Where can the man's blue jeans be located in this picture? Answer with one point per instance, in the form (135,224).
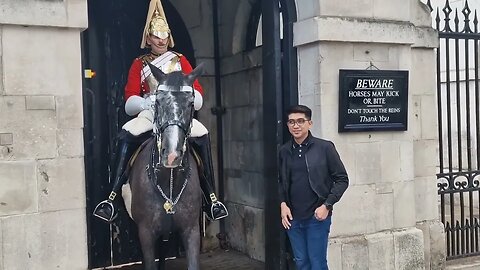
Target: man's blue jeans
(309,240)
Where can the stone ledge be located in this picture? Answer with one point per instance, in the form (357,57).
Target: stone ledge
(391,249)
(362,30)
(472,263)
(244,236)
(434,241)
(57,13)
(45,241)
(408,248)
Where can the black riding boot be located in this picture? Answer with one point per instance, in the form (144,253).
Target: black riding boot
(105,210)
(214,209)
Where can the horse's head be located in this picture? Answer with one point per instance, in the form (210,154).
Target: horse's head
(173,113)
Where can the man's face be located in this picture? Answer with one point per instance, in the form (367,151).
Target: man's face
(158,45)
(298,125)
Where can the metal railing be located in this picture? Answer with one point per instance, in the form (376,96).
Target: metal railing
(458,95)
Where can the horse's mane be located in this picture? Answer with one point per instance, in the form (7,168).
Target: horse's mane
(175,79)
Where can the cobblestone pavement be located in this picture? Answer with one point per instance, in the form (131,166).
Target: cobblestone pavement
(216,260)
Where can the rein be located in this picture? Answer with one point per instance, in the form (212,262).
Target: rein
(182,126)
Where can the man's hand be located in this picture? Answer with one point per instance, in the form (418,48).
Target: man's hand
(286,215)
(321,212)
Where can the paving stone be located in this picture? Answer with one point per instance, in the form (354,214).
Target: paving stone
(216,260)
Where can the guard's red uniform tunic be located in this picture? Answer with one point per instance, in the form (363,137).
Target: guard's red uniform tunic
(134,86)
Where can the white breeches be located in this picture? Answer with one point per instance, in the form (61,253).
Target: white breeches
(144,123)
(198,129)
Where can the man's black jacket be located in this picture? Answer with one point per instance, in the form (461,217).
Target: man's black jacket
(327,175)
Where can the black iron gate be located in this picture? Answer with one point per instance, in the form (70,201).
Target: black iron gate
(458,94)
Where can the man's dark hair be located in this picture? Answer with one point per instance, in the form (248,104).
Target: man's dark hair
(300,109)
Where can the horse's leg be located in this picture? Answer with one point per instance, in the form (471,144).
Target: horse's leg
(163,249)
(191,242)
(147,241)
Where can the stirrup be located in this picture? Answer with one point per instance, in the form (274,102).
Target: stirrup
(104,215)
(223,212)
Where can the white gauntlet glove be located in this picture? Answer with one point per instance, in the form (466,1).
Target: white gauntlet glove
(136,104)
(149,102)
(198,101)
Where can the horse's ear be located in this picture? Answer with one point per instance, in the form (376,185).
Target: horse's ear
(197,72)
(157,73)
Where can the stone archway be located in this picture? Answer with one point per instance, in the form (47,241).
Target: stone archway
(233,83)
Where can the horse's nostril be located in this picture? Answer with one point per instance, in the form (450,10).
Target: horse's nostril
(163,151)
(171,158)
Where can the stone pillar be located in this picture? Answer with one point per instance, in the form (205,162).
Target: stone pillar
(42,199)
(388,218)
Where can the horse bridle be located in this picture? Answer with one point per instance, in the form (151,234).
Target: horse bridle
(170,202)
(185,127)
(182,125)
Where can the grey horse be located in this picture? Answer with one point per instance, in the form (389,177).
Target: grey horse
(164,179)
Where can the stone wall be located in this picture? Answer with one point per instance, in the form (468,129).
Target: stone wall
(243,140)
(241,80)
(241,73)
(388,218)
(42,199)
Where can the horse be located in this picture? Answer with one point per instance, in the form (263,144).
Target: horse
(164,178)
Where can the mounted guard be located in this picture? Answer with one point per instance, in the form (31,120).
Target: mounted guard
(140,101)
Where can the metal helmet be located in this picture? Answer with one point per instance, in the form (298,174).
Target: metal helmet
(156,24)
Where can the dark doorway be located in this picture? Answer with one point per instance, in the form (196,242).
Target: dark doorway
(109,46)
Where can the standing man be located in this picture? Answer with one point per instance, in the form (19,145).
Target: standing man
(312,179)
(140,85)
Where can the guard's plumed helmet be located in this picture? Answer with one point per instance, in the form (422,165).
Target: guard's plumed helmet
(156,24)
